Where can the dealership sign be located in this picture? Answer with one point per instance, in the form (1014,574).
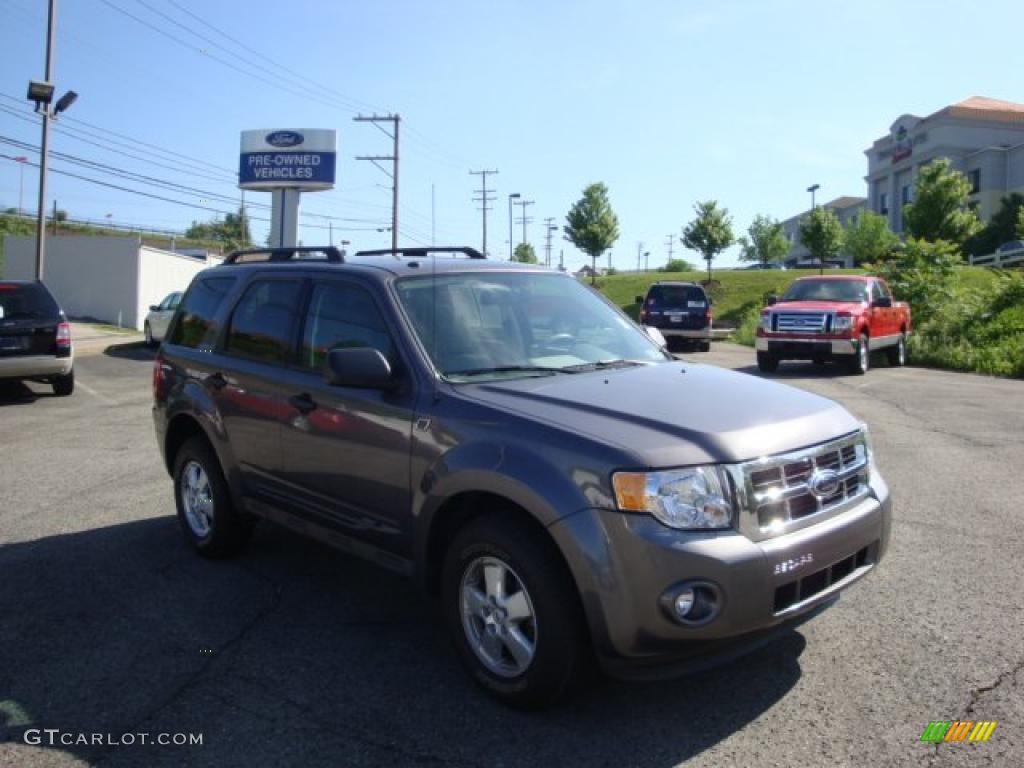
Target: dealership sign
(288,158)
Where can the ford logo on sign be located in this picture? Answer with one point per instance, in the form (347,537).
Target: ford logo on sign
(284,139)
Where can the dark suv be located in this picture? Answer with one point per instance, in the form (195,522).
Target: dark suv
(681,311)
(507,437)
(35,338)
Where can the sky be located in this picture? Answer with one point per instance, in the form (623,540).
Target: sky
(666,101)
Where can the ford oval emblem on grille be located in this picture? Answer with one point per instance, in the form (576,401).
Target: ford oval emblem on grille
(823,483)
(285,139)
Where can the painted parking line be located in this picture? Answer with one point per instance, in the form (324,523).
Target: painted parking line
(101,397)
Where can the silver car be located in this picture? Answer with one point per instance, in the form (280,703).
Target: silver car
(159,318)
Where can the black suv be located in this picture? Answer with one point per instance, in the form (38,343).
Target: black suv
(35,338)
(681,311)
(510,439)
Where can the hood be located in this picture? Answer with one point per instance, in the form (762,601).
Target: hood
(818,306)
(674,414)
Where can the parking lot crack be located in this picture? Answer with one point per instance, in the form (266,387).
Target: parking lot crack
(980,691)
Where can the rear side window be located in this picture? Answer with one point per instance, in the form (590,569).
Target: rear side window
(339,316)
(21,300)
(195,326)
(675,296)
(264,320)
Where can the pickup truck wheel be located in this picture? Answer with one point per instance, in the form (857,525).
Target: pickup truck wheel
(861,359)
(898,354)
(207,517)
(767,362)
(512,613)
(63,385)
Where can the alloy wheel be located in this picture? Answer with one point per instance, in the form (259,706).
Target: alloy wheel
(498,616)
(197,499)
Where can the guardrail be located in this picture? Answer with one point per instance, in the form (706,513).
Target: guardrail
(1005,259)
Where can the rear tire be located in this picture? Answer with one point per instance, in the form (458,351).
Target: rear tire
(207,516)
(860,362)
(767,362)
(64,385)
(704,346)
(513,613)
(898,354)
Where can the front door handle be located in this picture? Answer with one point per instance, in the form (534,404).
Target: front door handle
(302,403)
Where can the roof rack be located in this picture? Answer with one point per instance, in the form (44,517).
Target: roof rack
(421,251)
(330,253)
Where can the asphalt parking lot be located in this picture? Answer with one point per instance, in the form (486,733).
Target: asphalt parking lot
(295,655)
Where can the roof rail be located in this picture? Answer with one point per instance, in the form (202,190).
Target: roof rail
(420,251)
(330,253)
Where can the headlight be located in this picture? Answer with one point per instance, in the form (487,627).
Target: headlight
(687,499)
(842,323)
(765,323)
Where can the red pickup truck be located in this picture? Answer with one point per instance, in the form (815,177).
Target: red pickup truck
(834,317)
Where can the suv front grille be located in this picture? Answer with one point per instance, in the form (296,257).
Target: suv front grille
(793,487)
(801,322)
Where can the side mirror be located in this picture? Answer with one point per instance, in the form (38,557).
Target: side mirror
(882,301)
(363,367)
(154,307)
(771,299)
(640,300)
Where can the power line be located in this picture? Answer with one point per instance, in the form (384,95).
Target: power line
(484,199)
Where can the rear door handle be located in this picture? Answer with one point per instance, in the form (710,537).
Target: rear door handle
(217,380)
(302,403)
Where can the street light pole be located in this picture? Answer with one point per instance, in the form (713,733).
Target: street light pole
(812,189)
(44,149)
(510,251)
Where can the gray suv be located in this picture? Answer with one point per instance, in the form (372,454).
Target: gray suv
(512,441)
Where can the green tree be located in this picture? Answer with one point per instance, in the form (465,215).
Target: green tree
(228,231)
(710,233)
(821,234)
(940,210)
(525,254)
(868,239)
(591,224)
(1020,223)
(677,265)
(1000,229)
(921,272)
(766,243)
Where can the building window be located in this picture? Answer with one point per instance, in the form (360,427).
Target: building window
(975,178)
(906,194)
(883,203)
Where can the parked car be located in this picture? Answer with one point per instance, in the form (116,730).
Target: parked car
(834,317)
(767,265)
(159,317)
(681,311)
(514,443)
(35,337)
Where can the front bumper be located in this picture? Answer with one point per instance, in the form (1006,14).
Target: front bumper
(35,366)
(624,564)
(793,348)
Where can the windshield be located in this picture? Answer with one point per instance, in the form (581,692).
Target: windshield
(478,325)
(826,290)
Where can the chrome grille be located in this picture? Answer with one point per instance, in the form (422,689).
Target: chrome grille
(778,489)
(801,322)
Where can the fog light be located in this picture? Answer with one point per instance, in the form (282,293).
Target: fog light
(692,603)
(684,602)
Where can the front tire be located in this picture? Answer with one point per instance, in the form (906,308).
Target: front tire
(64,385)
(513,613)
(205,510)
(898,354)
(767,362)
(860,362)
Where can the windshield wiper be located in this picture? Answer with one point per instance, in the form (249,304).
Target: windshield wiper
(601,365)
(510,369)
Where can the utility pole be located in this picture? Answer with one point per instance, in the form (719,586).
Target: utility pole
(639,256)
(561,259)
(44,149)
(549,227)
(647,266)
(525,219)
(393,157)
(670,241)
(484,199)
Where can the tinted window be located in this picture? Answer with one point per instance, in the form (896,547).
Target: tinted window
(342,315)
(826,290)
(26,300)
(264,320)
(675,295)
(195,326)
